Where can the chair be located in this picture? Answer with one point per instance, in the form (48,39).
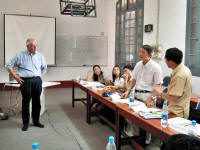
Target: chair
(166,81)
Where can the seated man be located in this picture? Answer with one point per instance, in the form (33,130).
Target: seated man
(127,76)
(181,142)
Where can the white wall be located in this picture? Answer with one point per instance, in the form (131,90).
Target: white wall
(172,26)
(172,29)
(67,25)
(150,17)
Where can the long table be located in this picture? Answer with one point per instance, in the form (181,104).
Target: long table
(122,110)
(87,101)
(152,126)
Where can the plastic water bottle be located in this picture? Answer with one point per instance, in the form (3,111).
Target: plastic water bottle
(164,116)
(193,129)
(111,144)
(131,98)
(35,146)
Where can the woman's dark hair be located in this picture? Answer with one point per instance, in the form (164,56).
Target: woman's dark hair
(128,67)
(113,75)
(174,54)
(148,48)
(95,77)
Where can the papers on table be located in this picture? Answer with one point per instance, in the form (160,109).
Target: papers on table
(145,112)
(150,115)
(115,96)
(95,85)
(182,125)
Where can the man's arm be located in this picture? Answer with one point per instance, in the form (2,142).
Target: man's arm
(166,96)
(10,65)
(132,85)
(14,75)
(169,97)
(150,100)
(43,67)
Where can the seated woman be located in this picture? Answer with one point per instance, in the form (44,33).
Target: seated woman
(118,82)
(97,75)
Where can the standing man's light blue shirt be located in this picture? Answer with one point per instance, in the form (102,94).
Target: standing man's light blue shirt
(29,65)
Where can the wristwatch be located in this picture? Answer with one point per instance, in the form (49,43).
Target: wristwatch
(153,97)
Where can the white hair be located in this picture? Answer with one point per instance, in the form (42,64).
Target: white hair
(29,41)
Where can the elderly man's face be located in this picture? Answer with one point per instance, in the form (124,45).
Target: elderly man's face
(32,47)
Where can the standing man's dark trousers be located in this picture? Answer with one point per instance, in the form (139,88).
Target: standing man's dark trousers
(31,88)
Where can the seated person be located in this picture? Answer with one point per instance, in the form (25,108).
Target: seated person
(127,76)
(97,75)
(118,82)
(181,142)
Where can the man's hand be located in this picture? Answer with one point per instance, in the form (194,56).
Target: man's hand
(19,80)
(125,76)
(148,102)
(107,88)
(157,90)
(125,95)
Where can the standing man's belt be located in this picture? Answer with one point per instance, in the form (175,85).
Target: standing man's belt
(142,91)
(29,77)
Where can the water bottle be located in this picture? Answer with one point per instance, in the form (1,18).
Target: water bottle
(193,129)
(35,146)
(111,144)
(164,116)
(131,98)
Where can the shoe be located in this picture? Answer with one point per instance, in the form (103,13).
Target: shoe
(25,127)
(39,125)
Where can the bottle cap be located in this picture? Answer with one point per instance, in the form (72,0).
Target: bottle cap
(194,122)
(111,139)
(165,103)
(35,145)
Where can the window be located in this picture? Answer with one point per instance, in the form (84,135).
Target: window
(192,54)
(129,31)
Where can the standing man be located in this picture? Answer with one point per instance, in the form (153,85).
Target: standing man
(179,89)
(146,74)
(31,65)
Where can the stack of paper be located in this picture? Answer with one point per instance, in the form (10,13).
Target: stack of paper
(94,85)
(150,115)
(143,108)
(182,125)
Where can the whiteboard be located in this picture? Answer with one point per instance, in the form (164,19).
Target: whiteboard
(81,50)
(18,28)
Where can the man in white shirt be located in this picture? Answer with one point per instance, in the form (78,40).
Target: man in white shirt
(146,74)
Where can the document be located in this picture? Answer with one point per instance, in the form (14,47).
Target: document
(182,125)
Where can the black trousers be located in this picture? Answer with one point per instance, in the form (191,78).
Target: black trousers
(31,89)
